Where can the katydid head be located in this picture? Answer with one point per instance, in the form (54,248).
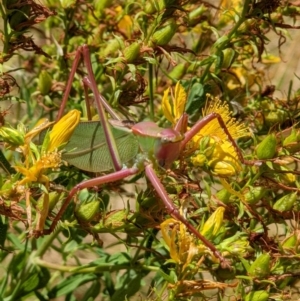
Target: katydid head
(167,148)
(164,144)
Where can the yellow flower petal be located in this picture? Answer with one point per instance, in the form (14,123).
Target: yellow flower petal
(179,101)
(166,106)
(214,223)
(174,109)
(38,128)
(63,130)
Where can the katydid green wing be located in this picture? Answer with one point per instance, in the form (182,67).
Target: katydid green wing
(88,150)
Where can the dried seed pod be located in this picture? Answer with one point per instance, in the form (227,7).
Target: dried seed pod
(18,16)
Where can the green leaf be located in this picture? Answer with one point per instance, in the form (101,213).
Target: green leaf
(70,284)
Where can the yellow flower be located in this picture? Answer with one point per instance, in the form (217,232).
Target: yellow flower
(213,128)
(36,172)
(211,146)
(222,160)
(125,24)
(174,109)
(217,152)
(63,130)
(180,242)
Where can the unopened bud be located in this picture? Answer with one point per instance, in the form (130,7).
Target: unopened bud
(267,148)
(11,136)
(86,211)
(260,268)
(163,35)
(257,296)
(132,52)
(213,224)
(63,130)
(286,202)
(45,82)
(254,194)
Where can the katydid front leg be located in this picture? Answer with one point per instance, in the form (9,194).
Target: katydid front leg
(173,211)
(206,120)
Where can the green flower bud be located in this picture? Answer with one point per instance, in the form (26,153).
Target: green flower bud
(273,117)
(68,3)
(254,194)
(45,82)
(112,47)
(153,6)
(194,15)
(54,197)
(291,242)
(164,34)
(132,52)
(257,296)
(11,136)
(223,195)
(7,190)
(260,268)
(293,137)
(101,5)
(237,245)
(267,148)
(228,58)
(177,72)
(86,211)
(116,221)
(291,142)
(286,202)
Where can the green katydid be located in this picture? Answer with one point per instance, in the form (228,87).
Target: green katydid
(100,146)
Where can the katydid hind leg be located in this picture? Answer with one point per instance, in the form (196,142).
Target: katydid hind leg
(173,211)
(69,83)
(114,153)
(112,177)
(83,52)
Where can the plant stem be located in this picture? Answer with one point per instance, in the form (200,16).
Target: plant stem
(151,93)
(47,242)
(104,267)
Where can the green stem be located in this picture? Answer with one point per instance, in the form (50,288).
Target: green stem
(241,19)
(151,92)
(47,242)
(5,29)
(107,267)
